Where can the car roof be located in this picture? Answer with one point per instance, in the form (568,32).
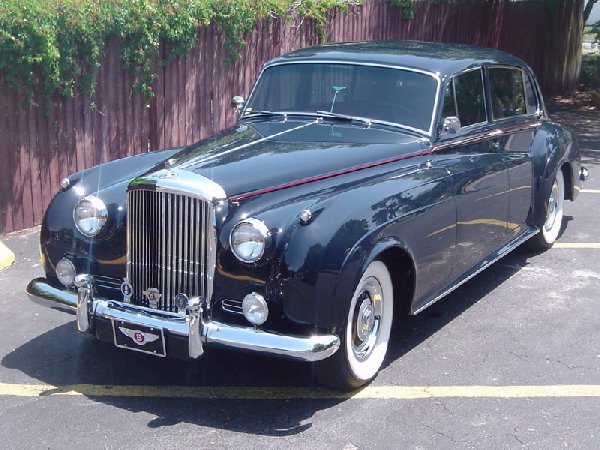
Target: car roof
(443,59)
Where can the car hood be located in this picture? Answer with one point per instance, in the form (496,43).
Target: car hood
(260,155)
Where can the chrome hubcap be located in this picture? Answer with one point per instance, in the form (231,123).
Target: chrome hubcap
(366,319)
(552,207)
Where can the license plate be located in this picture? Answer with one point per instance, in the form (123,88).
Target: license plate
(139,338)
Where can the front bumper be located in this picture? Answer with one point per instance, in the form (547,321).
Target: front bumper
(193,327)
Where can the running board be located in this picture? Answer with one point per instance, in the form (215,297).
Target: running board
(491,259)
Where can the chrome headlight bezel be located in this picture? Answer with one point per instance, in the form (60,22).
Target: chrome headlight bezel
(255,241)
(93,210)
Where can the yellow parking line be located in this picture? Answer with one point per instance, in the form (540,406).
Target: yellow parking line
(7,257)
(593,245)
(590,191)
(290,393)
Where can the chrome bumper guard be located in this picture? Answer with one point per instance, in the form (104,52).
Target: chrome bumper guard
(198,330)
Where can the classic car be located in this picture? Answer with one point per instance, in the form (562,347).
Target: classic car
(362,180)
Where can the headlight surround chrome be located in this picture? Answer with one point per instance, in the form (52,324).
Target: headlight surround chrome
(90,215)
(249,239)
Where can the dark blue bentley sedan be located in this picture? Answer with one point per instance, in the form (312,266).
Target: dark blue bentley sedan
(362,180)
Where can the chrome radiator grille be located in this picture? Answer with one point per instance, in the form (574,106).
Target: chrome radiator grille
(170,247)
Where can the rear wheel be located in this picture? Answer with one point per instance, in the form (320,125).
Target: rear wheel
(365,335)
(554,215)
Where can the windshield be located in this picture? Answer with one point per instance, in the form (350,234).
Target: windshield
(393,95)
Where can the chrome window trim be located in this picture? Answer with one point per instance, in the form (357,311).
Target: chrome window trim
(434,75)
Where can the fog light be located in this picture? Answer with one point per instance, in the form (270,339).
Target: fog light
(65,271)
(255,308)
(181,302)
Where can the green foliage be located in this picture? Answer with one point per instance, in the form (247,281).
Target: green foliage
(58,44)
(595,30)
(408,7)
(590,71)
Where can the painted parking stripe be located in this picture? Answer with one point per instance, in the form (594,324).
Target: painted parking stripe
(592,245)
(590,191)
(290,393)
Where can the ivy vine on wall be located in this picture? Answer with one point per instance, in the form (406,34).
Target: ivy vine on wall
(57,45)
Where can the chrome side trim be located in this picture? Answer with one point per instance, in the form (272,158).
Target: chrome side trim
(528,233)
(305,348)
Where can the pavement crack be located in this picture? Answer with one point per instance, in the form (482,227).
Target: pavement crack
(440,433)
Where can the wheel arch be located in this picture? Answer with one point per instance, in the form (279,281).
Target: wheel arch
(399,262)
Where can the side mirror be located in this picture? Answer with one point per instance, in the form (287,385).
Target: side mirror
(237,102)
(451,125)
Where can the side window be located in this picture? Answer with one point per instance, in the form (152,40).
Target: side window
(464,98)
(507,93)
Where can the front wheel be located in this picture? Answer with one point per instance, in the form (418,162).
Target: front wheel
(554,215)
(365,335)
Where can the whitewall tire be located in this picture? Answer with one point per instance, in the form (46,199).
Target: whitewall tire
(365,335)
(550,230)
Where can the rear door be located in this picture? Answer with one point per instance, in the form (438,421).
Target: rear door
(514,112)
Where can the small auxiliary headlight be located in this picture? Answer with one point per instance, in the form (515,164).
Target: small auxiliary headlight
(90,215)
(248,240)
(65,272)
(255,309)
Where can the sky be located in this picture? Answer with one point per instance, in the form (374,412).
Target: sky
(595,15)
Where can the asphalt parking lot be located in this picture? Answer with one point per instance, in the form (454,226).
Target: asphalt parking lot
(509,360)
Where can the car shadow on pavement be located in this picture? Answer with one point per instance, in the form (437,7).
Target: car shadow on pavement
(410,331)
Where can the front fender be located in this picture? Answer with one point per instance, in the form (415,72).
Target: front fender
(326,258)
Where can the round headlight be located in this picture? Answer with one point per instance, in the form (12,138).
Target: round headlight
(65,272)
(90,215)
(255,309)
(248,240)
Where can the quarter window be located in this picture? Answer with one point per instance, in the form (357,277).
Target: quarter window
(507,92)
(530,97)
(464,98)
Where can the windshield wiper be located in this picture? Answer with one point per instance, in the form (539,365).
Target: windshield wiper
(332,115)
(262,114)
(367,121)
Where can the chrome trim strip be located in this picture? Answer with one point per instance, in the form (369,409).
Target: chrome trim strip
(484,265)
(305,348)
